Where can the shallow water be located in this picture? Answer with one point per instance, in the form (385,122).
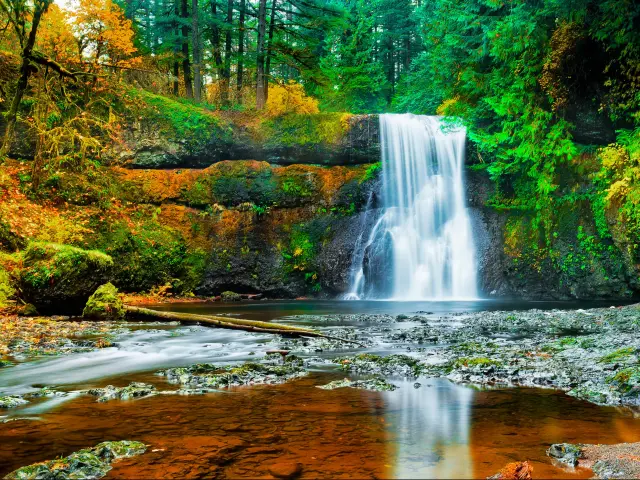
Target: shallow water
(268,310)
(439,430)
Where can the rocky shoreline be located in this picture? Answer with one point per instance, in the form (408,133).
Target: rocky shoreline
(591,354)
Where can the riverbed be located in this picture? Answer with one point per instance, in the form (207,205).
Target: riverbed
(428,427)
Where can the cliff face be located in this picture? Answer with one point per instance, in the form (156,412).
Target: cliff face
(284,231)
(322,139)
(576,263)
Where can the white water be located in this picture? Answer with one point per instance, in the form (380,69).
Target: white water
(425,223)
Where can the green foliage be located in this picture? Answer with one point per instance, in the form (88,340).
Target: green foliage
(372,172)
(618,184)
(514,75)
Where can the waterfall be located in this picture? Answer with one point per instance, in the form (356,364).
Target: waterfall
(421,247)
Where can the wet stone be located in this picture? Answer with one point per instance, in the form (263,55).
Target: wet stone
(376,384)
(134,390)
(285,470)
(88,463)
(565,453)
(12,401)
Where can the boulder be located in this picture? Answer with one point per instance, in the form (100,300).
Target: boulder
(60,279)
(104,304)
(565,453)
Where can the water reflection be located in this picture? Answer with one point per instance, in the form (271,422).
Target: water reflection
(431,427)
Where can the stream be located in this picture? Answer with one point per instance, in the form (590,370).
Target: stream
(435,429)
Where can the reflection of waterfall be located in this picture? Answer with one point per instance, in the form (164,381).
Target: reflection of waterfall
(431,427)
(421,247)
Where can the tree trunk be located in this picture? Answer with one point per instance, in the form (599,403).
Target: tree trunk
(267,68)
(229,323)
(197,57)
(227,48)
(176,78)
(260,80)
(186,64)
(240,49)
(215,42)
(25,72)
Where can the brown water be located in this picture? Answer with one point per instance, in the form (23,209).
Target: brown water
(439,430)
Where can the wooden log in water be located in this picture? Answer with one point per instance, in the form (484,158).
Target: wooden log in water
(230,323)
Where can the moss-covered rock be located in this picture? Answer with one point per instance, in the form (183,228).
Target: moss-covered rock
(375,384)
(133,390)
(104,304)
(170,133)
(205,377)
(89,463)
(60,278)
(229,296)
(12,401)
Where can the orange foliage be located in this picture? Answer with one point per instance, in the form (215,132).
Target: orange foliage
(103,32)
(39,221)
(55,37)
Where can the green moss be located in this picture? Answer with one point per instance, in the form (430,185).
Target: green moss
(104,304)
(7,290)
(181,120)
(45,262)
(62,277)
(626,381)
(152,255)
(619,355)
(298,130)
(88,463)
(384,363)
(230,296)
(471,362)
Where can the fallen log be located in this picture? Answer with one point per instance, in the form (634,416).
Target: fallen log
(230,323)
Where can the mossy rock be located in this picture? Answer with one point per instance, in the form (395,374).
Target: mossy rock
(88,463)
(104,304)
(60,278)
(229,296)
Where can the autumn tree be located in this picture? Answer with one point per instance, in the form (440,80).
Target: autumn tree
(25,20)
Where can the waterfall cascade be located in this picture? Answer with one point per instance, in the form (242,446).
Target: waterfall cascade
(421,248)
